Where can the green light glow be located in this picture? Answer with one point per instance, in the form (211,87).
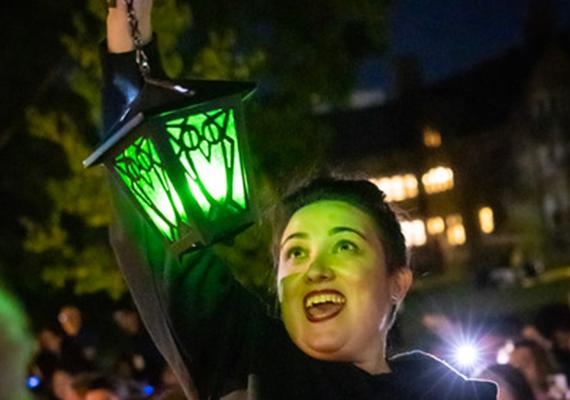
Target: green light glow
(199,196)
(141,169)
(206,145)
(239,184)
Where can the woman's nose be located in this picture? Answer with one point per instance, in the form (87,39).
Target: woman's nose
(319,271)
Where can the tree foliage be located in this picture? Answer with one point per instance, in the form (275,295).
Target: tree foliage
(302,53)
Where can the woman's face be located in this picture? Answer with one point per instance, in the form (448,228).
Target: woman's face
(334,287)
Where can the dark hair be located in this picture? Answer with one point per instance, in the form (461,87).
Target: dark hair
(512,377)
(542,358)
(361,194)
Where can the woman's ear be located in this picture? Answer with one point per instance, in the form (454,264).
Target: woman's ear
(279,293)
(279,287)
(402,280)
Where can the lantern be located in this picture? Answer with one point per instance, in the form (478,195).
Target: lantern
(179,153)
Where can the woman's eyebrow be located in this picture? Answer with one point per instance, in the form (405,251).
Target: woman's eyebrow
(296,235)
(339,229)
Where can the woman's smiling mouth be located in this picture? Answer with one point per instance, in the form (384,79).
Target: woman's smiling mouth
(321,305)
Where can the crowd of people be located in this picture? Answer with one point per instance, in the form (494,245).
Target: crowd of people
(69,362)
(72,362)
(527,361)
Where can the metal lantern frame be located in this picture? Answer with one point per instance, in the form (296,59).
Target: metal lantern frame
(195,216)
(146,120)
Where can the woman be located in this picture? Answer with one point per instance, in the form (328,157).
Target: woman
(535,363)
(341,275)
(512,383)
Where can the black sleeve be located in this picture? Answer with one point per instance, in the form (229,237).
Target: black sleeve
(122,79)
(427,377)
(195,311)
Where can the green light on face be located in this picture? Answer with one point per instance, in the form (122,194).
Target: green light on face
(141,169)
(207,147)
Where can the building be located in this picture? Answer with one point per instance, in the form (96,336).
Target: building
(480,160)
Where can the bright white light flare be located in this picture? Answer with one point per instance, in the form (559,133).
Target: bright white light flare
(466,355)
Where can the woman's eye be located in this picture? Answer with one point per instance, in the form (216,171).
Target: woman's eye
(295,252)
(345,246)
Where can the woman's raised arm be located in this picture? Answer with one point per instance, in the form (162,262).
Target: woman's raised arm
(200,318)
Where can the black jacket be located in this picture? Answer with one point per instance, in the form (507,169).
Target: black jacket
(217,336)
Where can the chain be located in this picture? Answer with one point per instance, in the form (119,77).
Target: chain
(140,56)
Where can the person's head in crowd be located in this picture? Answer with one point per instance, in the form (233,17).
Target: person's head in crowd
(81,383)
(47,357)
(534,362)
(511,382)
(127,320)
(100,387)
(341,261)
(170,389)
(167,377)
(62,385)
(69,318)
(49,340)
(16,346)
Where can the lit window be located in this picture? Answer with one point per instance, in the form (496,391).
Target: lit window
(432,138)
(486,220)
(438,179)
(455,230)
(414,232)
(398,187)
(411,185)
(435,225)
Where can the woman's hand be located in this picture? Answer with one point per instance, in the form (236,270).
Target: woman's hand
(119,38)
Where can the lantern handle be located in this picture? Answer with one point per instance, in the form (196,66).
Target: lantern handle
(141,57)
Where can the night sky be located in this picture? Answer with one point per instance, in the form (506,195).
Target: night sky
(448,37)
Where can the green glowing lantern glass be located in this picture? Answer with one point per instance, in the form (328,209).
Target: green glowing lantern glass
(179,153)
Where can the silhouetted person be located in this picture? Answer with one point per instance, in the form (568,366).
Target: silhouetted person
(139,358)
(535,363)
(47,358)
(553,322)
(78,350)
(512,383)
